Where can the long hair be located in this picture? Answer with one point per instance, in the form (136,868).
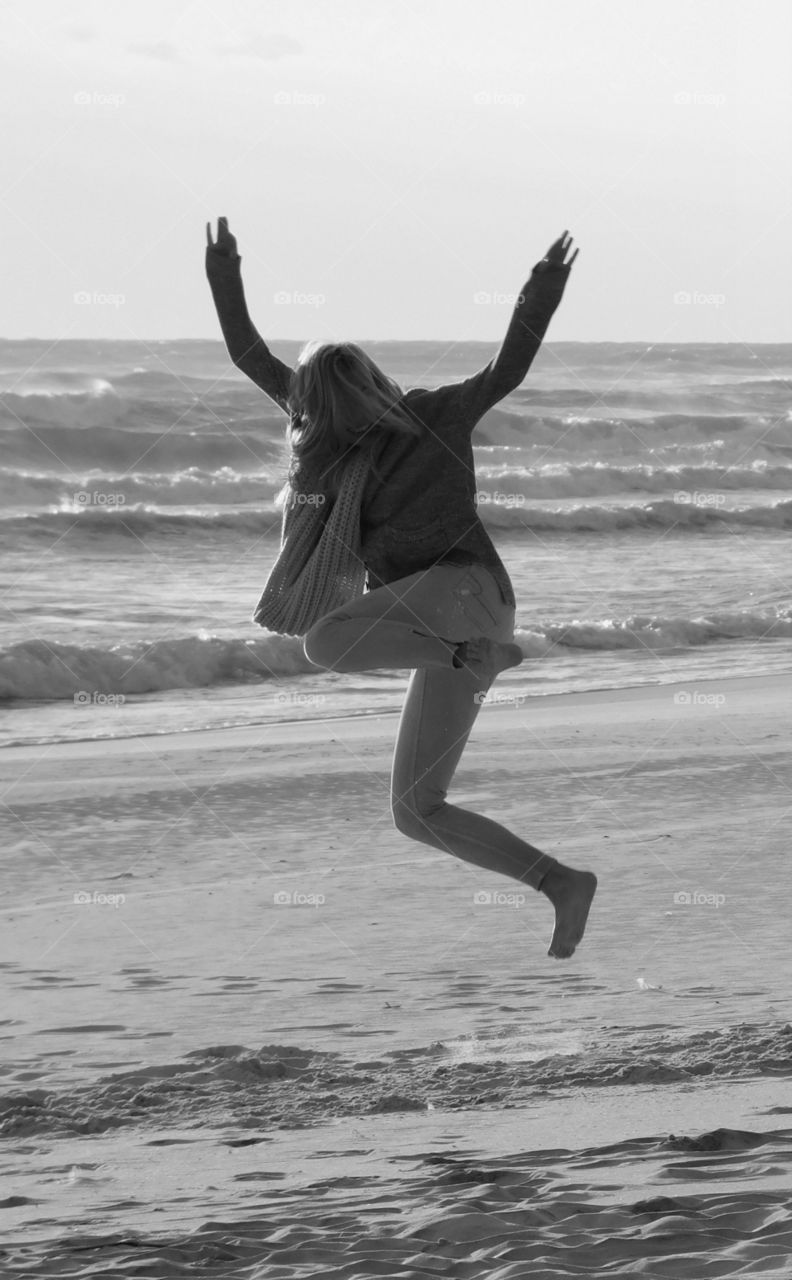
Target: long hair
(340,402)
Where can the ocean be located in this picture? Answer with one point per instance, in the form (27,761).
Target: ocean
(250,1028)
(640,496)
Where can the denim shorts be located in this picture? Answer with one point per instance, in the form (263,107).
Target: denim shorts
(478,603)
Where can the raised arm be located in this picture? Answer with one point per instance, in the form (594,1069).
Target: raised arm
(245,345)
(532,314)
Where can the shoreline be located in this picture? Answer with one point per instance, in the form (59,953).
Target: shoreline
(648,793)
(545,701)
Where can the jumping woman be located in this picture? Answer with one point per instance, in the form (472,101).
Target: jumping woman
(438,600)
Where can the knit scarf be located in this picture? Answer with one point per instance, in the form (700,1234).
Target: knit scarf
(319,566)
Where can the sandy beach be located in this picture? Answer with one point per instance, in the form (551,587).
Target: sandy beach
(250,1028)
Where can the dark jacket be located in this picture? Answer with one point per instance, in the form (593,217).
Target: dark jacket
(423,511)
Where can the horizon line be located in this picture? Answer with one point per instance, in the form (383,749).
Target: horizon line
(559,342)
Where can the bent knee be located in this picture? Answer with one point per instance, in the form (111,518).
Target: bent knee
(320,644)
(412,818)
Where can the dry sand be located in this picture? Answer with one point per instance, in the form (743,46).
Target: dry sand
(385,1074)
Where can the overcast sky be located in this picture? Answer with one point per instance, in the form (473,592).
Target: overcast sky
(394,168)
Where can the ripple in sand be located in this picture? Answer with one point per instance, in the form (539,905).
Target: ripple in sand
(288,1086)
(89,1028)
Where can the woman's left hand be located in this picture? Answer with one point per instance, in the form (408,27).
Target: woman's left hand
(556,254)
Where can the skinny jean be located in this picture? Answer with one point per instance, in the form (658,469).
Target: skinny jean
(416,622)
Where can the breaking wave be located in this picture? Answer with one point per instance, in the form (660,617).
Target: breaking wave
(49,670)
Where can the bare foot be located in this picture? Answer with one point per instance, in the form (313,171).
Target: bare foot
(485,658)
(571,893)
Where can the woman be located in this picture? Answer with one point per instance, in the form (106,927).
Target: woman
(439,599)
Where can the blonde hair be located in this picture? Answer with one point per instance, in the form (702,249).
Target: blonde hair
(340,402)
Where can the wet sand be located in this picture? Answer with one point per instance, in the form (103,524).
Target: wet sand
(249,1026)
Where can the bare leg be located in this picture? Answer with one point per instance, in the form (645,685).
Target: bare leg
(407,625)
(438,714)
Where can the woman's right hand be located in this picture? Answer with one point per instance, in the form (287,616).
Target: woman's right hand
(225,245)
